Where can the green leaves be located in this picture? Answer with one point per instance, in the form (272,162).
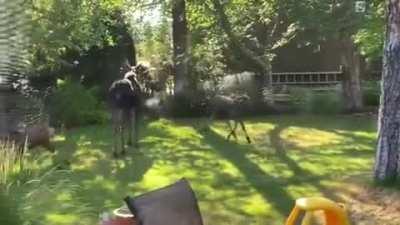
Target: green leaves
(370,36)
(59,26)
(259,26)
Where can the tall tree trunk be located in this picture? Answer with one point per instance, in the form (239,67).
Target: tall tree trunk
(181,52)
(127,48)
(351,60)
(387,164)
(130,51)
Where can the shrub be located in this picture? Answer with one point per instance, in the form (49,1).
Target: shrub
(208,61)
(371,93)
(10,166)
(298,96)
(74,105)
(318,102)
(328,102)
(31,196)
(185,105)
(10,162)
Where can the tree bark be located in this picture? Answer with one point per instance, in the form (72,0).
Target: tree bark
(351,60)
(127,48)
(387,163)
(181,52)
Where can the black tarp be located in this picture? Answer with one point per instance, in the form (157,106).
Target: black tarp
(175,204)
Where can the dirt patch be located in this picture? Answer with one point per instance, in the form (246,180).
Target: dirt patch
(369,205)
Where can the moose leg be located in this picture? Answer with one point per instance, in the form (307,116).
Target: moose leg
(116,124)
(209,122)
(129,123)
(123,139)
(232,130)
(135,126)
(116,132)
(245,131)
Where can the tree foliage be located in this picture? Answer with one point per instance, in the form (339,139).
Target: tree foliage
(243,28)
(337,19)
(155,42)
(370,36)
(62,26)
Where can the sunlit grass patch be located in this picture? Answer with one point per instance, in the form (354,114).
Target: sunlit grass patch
(302,137)
(61,219)
(236,182)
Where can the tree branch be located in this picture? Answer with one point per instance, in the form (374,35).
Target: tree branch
(234,40)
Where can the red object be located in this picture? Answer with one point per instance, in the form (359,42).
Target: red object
(120,221)
(123,221)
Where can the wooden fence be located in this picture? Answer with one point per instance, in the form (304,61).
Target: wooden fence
(307,78)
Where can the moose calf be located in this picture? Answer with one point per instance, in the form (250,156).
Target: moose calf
(230,107)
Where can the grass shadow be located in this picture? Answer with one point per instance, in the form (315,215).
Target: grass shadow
(301,175)
(233,181)
(269,186)
(103,180)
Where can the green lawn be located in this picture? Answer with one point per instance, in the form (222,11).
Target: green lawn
(236,183)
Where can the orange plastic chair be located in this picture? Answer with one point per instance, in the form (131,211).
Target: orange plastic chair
(334,213)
